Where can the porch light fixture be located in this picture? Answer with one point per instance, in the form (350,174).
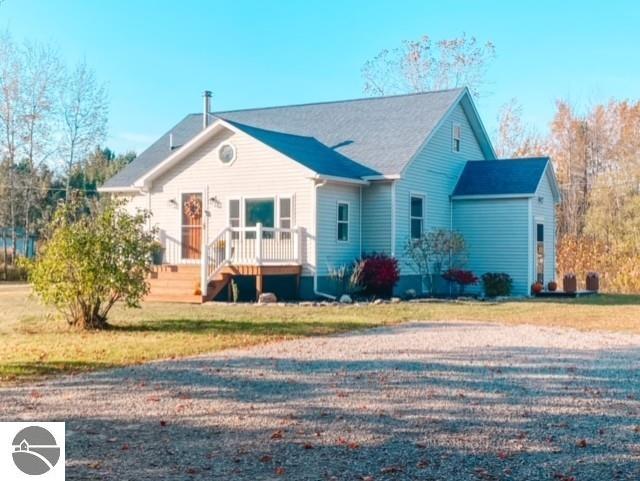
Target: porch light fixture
(173,203)
(215,201)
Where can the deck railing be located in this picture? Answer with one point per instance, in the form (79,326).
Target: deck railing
(257,245)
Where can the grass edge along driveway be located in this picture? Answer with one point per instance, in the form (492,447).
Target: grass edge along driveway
(35,342)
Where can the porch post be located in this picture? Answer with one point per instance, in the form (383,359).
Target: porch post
(204,265)
(296,244)
(259,243)
(227,245)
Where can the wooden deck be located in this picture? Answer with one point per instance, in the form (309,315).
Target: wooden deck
(181,282)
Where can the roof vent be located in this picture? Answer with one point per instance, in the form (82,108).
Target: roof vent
(206,108)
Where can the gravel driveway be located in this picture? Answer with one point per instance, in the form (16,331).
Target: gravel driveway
(460,401)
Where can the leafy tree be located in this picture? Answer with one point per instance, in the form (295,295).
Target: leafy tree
(435,252)
(422,65)
(96,254)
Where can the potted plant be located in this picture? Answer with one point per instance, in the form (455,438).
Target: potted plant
(552,286)
(156,253)
(537,288)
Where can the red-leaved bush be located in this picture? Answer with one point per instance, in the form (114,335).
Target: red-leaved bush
(377,274)
(461,277)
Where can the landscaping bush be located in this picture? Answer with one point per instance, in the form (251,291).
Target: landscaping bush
(461,277)
(376,274)
(94,256)
(497,284)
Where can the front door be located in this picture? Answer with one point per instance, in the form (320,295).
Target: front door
(191,225)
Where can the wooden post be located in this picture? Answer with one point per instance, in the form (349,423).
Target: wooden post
(258,285)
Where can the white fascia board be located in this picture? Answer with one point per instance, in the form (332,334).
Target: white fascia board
(341,180)
(492,196)
(123,190)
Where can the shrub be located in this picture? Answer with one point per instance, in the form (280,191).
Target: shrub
(496,284)
(95,256)
(342,277)
(461,277)
(377,274)
(434,252)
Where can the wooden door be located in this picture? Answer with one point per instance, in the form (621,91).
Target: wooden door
(191,225)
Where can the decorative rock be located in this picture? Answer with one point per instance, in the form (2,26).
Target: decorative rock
(345,299)
(267,298)
(378,301)
(395,300)
(410,294)
(308,304)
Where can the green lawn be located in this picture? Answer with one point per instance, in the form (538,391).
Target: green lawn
(35,342)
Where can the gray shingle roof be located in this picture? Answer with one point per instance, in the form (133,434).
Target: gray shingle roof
(501,177)
(380,134)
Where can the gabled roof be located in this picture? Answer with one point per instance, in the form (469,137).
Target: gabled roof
(309,152)
(362,137)
(503,177)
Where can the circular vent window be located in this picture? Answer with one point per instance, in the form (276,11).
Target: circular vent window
(227,153)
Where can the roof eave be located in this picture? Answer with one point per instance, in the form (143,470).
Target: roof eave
(129,189)
(341,180)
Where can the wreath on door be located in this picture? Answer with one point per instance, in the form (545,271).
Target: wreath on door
(193,208)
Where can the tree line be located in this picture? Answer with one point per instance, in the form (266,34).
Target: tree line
(52,118)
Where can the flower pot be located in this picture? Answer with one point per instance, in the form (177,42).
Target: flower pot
(552,286)
(537,288)
(569,283)
(593,281)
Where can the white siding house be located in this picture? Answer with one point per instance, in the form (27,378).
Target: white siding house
(298,191)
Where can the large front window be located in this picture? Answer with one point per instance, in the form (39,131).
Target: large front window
(259,211)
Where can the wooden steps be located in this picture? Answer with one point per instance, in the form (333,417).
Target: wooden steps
(180,283)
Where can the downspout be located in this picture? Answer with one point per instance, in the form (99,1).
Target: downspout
(315,223)
(360,229)
(393,218)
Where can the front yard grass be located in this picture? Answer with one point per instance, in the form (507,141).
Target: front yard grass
(35,342)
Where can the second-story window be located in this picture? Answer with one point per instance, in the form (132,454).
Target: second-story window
(456,136)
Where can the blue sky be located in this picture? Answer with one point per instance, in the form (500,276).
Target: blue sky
(158,56)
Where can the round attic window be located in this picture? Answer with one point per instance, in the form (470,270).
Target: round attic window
(227,153)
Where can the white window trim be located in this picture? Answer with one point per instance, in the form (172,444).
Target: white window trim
(276,208)
(338,221)
(423,196)
(454,126)
(233,148)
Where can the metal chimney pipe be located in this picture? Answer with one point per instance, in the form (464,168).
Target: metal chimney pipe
(206,108)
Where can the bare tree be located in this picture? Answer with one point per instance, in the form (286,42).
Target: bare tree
(41,78)
(513,137)
(10,96)
(422,65)
(84,117)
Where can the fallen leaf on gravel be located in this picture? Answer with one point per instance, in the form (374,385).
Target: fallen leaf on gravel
(636,429)
(277,434)
(266,458)
(280,470)
(394,468)
(96,465)
(153,399)
(502,455)
(36,394)
(353,445)
(582,443)
(163,423)
(192,471)
(307,446)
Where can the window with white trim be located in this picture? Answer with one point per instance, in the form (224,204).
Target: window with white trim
(285,216)
(343,221)
(417,216)
(234,215)
(456,137)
